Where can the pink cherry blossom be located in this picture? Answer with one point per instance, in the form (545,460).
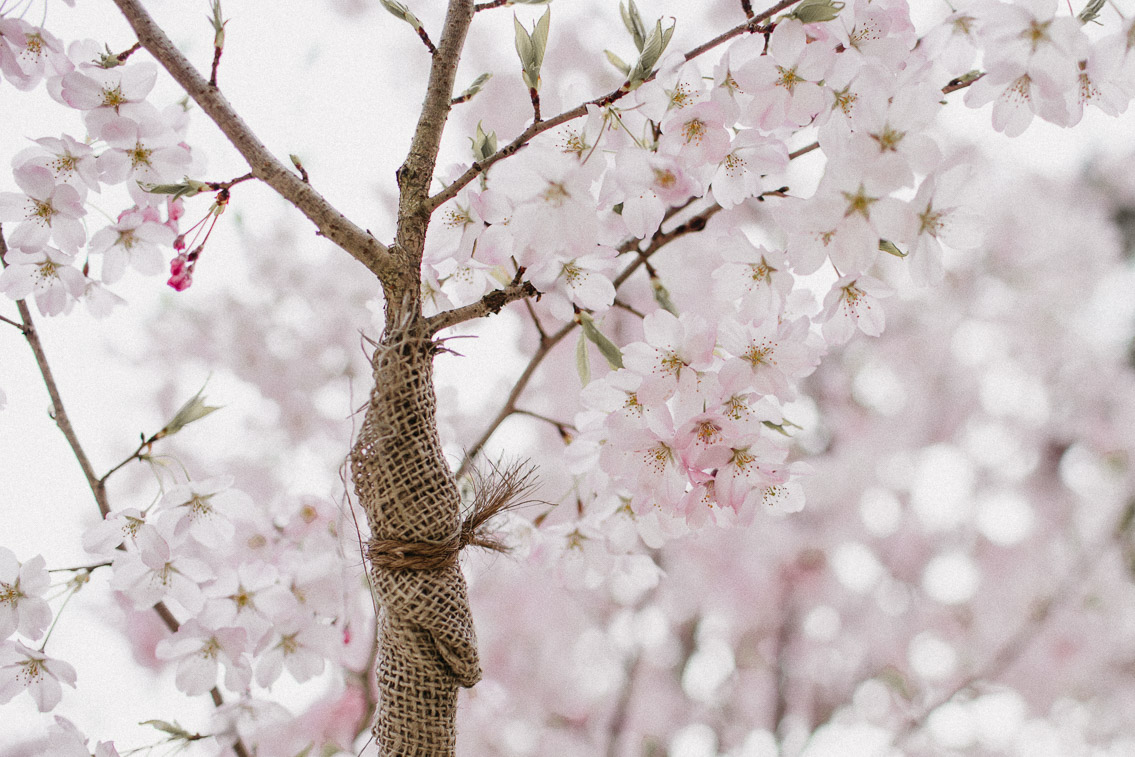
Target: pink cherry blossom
(742,483)
(68,160)
(201,651)
(26,52)
(136,240)
(46,211)
(646,184)
(301,645)
(783,84)
(155,573)
(48,274)
(853,304)
(146,151)
(775,354)
(22,606)
(24,669)
(584,281)
(202,509)
(107,92)
(757,276)
(673,345)
(696,134)
(742,173)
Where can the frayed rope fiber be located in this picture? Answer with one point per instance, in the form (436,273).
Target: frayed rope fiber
(427,644)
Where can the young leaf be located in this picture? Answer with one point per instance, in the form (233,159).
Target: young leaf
(652,50)
(474,88)
(816,11)
(891,249)
(193,410)
(582,362)
(662,296)
(398,10)
(530,47)
(484,144)
(607,348)
(1090,12)
(633,21)
(618,63)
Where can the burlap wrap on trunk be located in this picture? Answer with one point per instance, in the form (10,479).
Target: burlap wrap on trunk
(427,644)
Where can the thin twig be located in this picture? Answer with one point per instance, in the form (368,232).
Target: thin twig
(330,222)
(426,40)
(20,326)
(561,426)
(490,304)
(59,412)
(510,402)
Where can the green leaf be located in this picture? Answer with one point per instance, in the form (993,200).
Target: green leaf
(662,297)
(652,50)
(484,144)
(780,428)
(218,22)
(890,248)
(398,10)
(582,363)
(1091,11)
(816,11)
(193,410)
(477,85)
(606,347)
(187,188)
(633,21)
(530,47)
(617,62)
(173,729)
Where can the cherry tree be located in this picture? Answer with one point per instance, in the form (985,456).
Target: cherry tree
(736,523)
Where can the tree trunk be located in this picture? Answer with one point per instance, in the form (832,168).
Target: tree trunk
(427,646)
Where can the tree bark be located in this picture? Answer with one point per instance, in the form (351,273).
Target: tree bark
(427,644)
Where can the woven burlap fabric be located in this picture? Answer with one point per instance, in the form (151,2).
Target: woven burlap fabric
(427,647)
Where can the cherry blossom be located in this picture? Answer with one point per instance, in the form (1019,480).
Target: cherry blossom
(48,274)
(155,573)
(136,240)
(853,304)
(202,509)
(22,606)
(673,345)
(783,84)
(46,211)
(200,651)
(299,644)
(24,669)
(69,161)
(743,172)
(146,151)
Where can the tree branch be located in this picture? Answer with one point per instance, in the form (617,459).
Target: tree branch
(59,412)
(490,304)
(416,174)
(330,222)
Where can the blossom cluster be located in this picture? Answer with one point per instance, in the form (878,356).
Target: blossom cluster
(128,142)
(690,425)
(255,597)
